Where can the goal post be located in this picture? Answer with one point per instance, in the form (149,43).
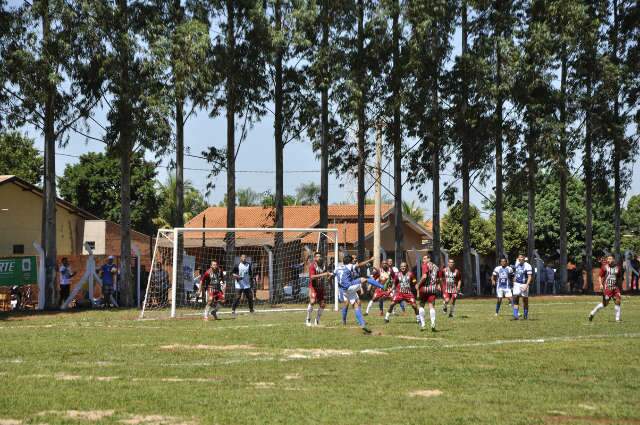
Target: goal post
(278,275)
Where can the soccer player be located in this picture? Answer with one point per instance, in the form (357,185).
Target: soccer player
(501,279)
(428,290)
(107,275)
(380,295)
(452,283)
(349,285)
(211,284)
(243,273)
(404,281)
(523,276)
(610,278)
(65,280)
(317,280)
(392,274)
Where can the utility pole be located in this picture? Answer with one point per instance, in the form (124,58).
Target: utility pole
(378,199)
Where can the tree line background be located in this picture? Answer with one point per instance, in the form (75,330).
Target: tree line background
(541,102)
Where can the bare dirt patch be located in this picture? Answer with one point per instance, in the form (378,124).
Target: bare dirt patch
(88,415)
(10,422)
(587,406)
(589,419)
(315,353)
(425,393)
(156,420)
(264,385)
(292,376)
(208,347)
(66,377)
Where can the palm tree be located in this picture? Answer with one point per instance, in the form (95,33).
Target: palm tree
(413,210)
(308,194)
(194,203)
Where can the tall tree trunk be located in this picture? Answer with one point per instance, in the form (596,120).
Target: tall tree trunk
(125,146)
(179,218)
(361,99)
(466,183)
(279,146)
(499,124)
(324,143)
(231,139)
(435,173)
(49,222)
(531,190)
(618,133)
(397,139)
(562,168)
(587,162)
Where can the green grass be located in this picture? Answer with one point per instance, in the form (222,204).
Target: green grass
(555,368)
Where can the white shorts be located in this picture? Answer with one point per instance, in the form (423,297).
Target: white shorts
(351,294)
(518,290)
(502,292)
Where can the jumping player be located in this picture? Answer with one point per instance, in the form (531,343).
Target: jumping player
(379,295)
(428,290)
(317,280)
(403,283)
(349,285)
(521,282)
(501,279)
(610,278)
(392,274)
(211,284)
(452,283)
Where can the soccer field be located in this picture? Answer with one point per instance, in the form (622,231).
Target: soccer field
(106,367)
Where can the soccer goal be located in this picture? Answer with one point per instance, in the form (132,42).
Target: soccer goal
(278,275)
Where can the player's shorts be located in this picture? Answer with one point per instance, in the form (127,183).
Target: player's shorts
(350,294)
(215,296)
(107,290)
(316,294)
(518,290)
(399,296)
(381,294)
(502,292)
(427,297)
(449,295)
(608,294)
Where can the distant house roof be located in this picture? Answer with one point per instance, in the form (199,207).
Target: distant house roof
(6,179)
(341,217)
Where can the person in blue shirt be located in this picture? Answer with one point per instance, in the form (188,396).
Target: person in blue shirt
(108,272)
(243,274)
(501,279)
(523,276)
(349,285)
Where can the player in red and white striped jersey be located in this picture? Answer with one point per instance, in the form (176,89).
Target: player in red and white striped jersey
(380,295)
(428,289)
(610,279)
(452,280)
(404,283)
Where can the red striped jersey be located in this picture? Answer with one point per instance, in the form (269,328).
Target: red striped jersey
(404,282)
(610,276)
(451,279)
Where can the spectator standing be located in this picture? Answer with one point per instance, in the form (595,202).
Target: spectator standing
(550,279)
(242,273)
(160,280)
(65,280)
(108,274)
(635,270)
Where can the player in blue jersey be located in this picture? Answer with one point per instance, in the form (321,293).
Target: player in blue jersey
(523,276)
(349,285)
(501,279)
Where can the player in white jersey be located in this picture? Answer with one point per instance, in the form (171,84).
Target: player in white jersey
(523,276)
(501,279)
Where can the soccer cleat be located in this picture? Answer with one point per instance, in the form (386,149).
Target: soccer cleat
(618,320)
(366,330)
(386,320)
(496,315)
(307,322)
(433,329)
(591,317)
(316,322)
(234,315)
(444,307)
(366,313)
(215,315)
(450,315)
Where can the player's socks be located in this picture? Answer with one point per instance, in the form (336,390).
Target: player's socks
(206,311)
(318,314)
(402,306)
(369,307)
(453,307)
(498,307)
(516,314)
(617,309)
(421,316)
(432,316)
(526,313)
(358,313)
(344,315)
(381,305)
(599,307)
(309,312)
(386,316)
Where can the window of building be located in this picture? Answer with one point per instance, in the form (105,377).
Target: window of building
(18,249)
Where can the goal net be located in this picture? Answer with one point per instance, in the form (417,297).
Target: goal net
(278,272)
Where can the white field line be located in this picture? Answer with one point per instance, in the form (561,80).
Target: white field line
(101,325)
